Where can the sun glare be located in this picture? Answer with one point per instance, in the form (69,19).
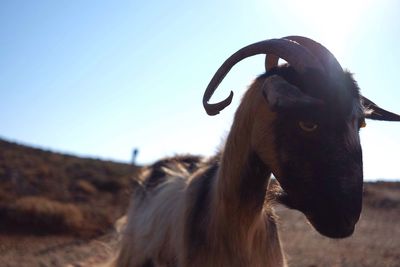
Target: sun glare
(333,21)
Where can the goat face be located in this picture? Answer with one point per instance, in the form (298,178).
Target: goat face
(316,148)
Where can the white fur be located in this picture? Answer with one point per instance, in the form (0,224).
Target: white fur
(155,228)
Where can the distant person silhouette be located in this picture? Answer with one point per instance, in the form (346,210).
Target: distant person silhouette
(134,156)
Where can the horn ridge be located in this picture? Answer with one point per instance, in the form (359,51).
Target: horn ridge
(328,60)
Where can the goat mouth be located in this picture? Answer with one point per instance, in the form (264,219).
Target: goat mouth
(339,227)
(332,214)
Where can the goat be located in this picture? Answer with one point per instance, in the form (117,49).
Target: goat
(300,122)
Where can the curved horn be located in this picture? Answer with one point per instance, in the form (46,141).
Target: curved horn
(331,65)
(270,62)
(296,55)
(327,59)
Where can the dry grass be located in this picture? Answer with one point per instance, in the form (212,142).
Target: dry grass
(86,187)
(376,241)
(42,192)
(39,215)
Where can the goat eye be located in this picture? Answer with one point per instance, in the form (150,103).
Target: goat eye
(308,126)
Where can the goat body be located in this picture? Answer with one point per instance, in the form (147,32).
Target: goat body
(298,121)
(214,215)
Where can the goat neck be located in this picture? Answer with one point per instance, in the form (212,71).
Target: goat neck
(243,177)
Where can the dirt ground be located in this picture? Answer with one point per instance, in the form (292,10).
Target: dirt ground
(27,251)
(376,242)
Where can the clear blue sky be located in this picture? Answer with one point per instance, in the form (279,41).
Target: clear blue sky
(99,78)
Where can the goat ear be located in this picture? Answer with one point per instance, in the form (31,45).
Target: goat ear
(282,95)
(374,112)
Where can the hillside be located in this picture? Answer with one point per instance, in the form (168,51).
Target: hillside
(57,210)
(44,192)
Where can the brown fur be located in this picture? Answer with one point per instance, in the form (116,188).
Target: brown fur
(217,214)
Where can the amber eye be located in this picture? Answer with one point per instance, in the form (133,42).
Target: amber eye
(308,126)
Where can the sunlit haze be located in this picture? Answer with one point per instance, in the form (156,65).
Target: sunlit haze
(99,79)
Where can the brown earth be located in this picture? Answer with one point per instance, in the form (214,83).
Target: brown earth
(376,241)
(39,189)
(42,192)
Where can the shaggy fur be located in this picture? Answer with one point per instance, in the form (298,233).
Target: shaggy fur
(207,213)
(190,212)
